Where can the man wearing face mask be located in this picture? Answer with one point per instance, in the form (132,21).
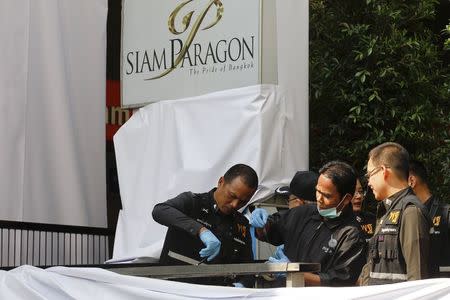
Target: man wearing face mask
(327,233)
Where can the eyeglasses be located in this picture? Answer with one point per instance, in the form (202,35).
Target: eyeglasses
(361,193)
(373,172)
(292,198)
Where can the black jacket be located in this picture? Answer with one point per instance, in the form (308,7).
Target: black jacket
(185,214)
(367,221)
(337,244)
(439,234)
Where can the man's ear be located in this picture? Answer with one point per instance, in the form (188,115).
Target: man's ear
(386,172)
(221,181)
(412,181)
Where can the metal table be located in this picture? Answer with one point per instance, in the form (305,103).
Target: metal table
(294,271)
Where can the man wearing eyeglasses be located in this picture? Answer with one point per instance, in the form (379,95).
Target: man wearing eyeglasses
(399,249)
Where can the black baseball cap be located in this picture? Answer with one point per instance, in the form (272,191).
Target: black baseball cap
(303,186)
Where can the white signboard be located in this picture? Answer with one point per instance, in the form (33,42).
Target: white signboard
(175,49)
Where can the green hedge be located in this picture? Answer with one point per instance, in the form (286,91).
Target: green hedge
(377,74)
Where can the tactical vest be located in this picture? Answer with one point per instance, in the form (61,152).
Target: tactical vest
(388,263)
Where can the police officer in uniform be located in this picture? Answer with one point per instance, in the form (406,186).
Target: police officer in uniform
(438,213)
(365,219)
(399,249)
(208,226)
(326,233)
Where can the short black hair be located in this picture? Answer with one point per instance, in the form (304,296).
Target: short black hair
(418,169)
(248,175)
(342,175)
(392,155)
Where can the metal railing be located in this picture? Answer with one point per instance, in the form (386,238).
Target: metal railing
(51,244)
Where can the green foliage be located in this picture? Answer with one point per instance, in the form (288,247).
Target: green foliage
(377,75)
(446,33)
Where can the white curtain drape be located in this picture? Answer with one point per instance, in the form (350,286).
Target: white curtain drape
(52,102)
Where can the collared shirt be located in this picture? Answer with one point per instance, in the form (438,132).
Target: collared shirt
(337,244)
(185,214)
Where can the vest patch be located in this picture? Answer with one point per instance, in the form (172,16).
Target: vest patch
(367,228)
(327,250)
(393,216)
(242,230)
(389,230)
(436,221)
(434,231)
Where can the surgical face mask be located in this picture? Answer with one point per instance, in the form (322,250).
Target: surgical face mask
(330,213)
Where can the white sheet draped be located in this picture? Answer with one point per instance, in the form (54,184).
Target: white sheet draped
(57,283)
(186,145)
(52,103)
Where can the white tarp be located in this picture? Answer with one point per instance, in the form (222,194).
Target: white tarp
(57,283)
(52,104)
(185,145)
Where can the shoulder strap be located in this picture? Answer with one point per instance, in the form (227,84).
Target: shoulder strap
(434,206)
(446,215)
(412,199)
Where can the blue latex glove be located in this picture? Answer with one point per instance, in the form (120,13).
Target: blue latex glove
(259,218)
(212,244)
(238,285)
(279,256)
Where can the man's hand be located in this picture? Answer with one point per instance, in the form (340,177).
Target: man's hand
(279,256)
(258,218)
(212,244)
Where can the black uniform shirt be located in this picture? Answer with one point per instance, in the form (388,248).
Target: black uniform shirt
(439,234)
(185,214)
(337,244)
(367,221)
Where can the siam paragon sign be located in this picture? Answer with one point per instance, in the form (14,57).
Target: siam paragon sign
(174,49)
